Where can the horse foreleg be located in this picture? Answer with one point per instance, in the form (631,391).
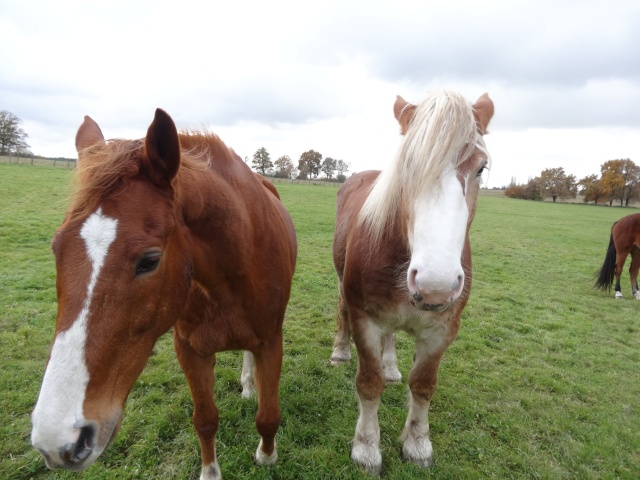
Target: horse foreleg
(199,370)
(633,272)
(621,257)
(342,345)
(369,385)
(417,446)
(390,360)
(246,377)
(268,365)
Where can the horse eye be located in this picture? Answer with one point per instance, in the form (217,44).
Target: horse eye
(148,263)
(481,171)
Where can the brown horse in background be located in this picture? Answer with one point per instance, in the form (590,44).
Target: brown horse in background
(401,251)
(624,240)
(170,231)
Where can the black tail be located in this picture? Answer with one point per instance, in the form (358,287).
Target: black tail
(604,277)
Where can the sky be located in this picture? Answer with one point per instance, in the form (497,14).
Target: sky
(291,76)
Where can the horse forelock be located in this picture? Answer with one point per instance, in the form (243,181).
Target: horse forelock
(102,168)
(441,135)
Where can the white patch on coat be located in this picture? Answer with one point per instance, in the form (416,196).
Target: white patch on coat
(57,416)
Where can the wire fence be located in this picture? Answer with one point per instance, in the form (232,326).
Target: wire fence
(69,163)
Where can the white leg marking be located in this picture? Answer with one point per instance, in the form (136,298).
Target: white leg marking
(342,344)
(618,294)
(264,459)
(211,472)
(416,446)
(341,354)
(246,377)
(636,295)
(390,360)
(58,414)
(366,443)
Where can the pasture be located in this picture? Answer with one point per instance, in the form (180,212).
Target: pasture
(542,382)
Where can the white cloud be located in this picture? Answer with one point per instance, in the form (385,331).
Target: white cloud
(292,76)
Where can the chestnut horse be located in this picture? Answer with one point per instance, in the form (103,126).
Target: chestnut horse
(402,254)
(624,240)
(170,231)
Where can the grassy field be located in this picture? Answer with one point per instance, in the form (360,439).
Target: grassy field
(542,382)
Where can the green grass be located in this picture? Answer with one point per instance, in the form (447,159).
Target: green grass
(542,382)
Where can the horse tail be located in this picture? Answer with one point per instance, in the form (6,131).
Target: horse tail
(604,277)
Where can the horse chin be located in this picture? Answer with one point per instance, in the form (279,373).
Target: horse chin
(428,307)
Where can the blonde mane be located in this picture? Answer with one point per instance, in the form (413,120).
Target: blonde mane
(441,135)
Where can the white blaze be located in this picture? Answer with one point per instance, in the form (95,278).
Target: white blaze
(57,415)
(438,236)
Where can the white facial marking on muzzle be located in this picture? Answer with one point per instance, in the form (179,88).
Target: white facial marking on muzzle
(58,415)
(437,242)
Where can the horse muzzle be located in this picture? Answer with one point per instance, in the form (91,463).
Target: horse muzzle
(418,302)
(62,451)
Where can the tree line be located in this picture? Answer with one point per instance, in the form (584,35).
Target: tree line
(619,181)
(310,165)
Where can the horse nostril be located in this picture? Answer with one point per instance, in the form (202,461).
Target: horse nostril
(83,447)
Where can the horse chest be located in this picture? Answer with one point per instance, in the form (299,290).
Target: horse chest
(416,323)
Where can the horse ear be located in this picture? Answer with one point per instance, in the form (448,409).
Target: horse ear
(483,111)
(88,134)
(403,111)
(162,148)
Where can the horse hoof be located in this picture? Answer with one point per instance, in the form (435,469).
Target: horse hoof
(618,294)
(368,458)
(264,459)
(340,361)
(392,376)
(421,462)
(340,357)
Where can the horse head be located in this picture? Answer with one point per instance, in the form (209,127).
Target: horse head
(445,158)
(122,280)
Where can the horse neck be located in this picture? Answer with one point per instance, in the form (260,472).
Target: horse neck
(202,194)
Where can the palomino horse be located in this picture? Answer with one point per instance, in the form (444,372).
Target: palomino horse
(170,231)
(401,251)
(624,240)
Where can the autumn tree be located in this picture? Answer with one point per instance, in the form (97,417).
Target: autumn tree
(555,183)
(612,180)
(532,190)
(631,175)
(284,167)
(262,161)
(328,167)
(591,189)
(309,164)
(12,136)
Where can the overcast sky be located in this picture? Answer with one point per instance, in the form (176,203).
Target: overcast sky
(323,75)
